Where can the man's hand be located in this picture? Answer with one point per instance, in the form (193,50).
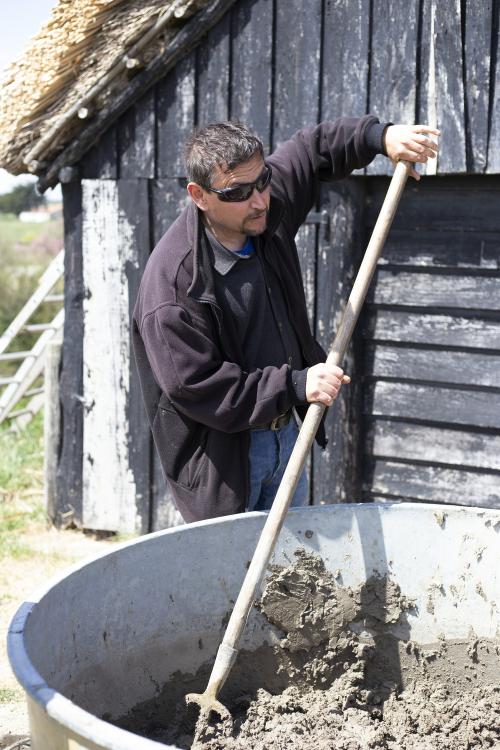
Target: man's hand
(323,383)
(411,143)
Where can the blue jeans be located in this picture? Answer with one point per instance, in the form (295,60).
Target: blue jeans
(269,454)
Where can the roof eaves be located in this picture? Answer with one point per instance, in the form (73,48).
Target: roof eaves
(180,45)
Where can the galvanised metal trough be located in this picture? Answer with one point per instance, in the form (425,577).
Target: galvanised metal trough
(109,634)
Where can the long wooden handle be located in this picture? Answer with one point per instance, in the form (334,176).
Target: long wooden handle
(269,535)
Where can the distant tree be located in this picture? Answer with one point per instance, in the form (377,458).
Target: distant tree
(21,198)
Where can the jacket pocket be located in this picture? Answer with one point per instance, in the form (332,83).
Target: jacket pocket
(181,444)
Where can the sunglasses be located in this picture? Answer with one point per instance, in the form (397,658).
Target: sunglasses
(243,192)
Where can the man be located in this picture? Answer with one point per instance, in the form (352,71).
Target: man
(223,346)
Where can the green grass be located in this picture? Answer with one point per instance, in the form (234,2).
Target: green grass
(21,457)
(21,486)
(13,231)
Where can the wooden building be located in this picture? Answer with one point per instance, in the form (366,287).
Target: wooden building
(421,420)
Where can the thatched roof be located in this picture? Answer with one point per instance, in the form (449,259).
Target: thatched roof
(44,98)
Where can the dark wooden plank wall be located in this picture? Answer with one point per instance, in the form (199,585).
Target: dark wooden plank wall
(281,65)
(68,503)
(432,346)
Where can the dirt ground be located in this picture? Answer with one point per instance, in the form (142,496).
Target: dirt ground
(52,552)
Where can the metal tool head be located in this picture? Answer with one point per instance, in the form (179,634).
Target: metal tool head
(209,704)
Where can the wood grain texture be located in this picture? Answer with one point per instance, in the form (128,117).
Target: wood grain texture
(450,105)
(434,484)
(168,198)
(251,73)
(175,112)
(101,161)
(136,139)
(68,504)
(133,207)
(442,204)
(297,66)
(108,249)
(439,330)
(434,365)
(436,290)
(422,443)
(335,470)
(493,160)
(432,403)
(457,248)
(306,241)
(213,73)
(393,67)
(477,56)
(345,58)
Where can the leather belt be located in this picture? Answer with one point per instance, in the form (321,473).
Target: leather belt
(277,423)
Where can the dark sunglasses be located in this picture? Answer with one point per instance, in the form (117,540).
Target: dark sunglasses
(243,192)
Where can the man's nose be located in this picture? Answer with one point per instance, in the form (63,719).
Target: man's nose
(259,200)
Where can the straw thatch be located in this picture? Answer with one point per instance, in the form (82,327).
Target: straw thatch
(76,48)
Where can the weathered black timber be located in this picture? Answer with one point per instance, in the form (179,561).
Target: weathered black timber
(432,353)
(345,45)
(212,68)
(417,327)
(425,99)
(168,198)
(335,470)
(417,289)
(434,484)
(393,66)
(449,248)
(449,89)
(439,59)
(296,91)
(136,139)
(452,199)
(477,58)
(432,403)
(437,365)
(133,203)
(493,164)
(252,68)
(295,100)
(175,117)
(101,161)
(69,470)
(412,442)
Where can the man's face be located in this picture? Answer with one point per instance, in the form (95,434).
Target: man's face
(230,221)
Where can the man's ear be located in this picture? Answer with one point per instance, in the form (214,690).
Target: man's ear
(197,195)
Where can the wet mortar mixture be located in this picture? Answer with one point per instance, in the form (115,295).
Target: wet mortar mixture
(337,680)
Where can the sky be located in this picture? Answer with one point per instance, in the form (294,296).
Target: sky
(21,20)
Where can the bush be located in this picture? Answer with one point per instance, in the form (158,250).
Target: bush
(21,198)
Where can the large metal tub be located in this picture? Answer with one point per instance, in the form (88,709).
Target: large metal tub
(111,632)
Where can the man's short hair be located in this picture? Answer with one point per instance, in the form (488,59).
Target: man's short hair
(221,144)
